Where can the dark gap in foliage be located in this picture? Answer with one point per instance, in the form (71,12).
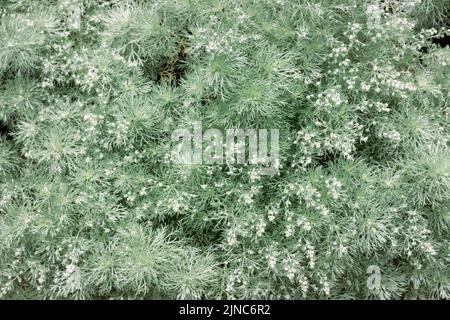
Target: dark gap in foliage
(327,159)
(204,237)
(440,41)
(5,130)
(389,6)
(173,70)
(443,41)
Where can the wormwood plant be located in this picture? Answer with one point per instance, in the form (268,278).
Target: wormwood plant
(92,207)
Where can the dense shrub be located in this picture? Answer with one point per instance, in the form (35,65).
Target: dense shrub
(92,207)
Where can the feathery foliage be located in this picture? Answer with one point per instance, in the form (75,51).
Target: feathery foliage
(91,206)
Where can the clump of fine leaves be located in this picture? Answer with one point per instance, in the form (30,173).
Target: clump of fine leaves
(91,206)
